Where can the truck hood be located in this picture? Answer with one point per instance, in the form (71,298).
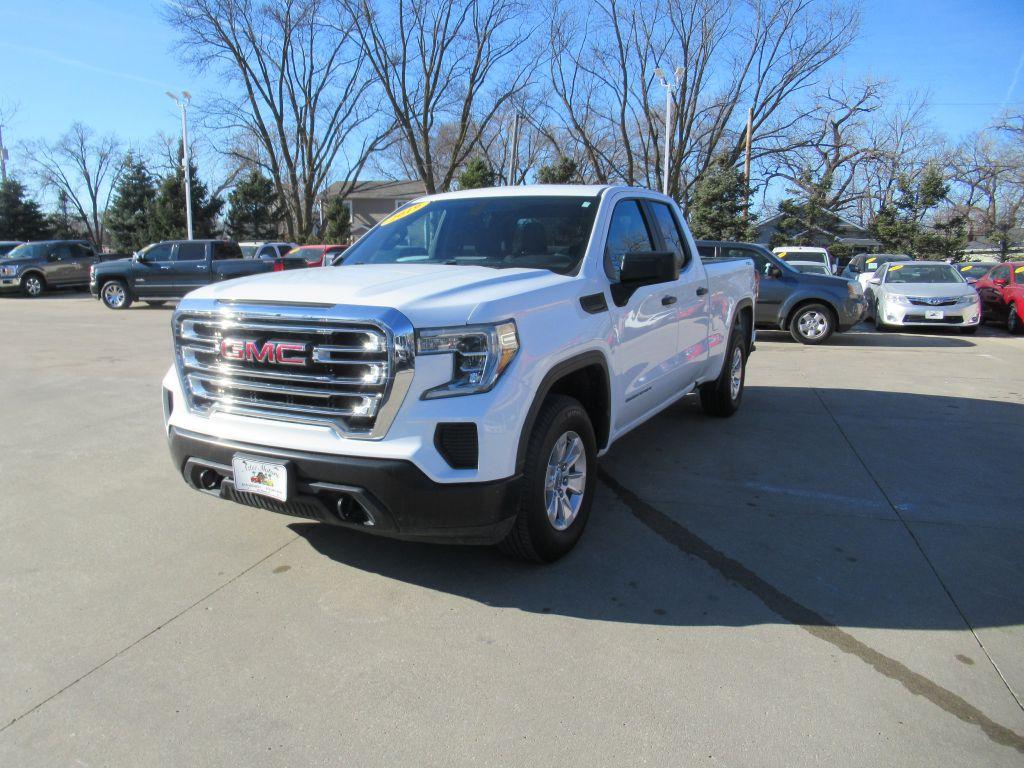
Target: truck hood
(427,294)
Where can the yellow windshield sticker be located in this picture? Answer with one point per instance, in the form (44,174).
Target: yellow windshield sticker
(871,261)
(782,254)
(404,212)
(894,267)
(1019,271)
(968,268)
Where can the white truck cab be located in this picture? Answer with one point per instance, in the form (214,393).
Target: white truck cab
(457,378)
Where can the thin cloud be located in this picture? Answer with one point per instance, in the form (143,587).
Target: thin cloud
(84,65)
(1013,83)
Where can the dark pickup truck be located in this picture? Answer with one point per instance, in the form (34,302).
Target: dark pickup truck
(34,268)
(167,271)
(811,307)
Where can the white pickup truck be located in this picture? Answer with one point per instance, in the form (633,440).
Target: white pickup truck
(458,377)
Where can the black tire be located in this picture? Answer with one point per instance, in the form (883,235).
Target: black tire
(33,285)
(534,536)
(813,324)
(1014,324)
(718,397)
(156,304)
(115,295)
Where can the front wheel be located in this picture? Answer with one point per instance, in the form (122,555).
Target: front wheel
(558,483)
(722,396)
(33,285)
(812,324)
(1013,322)
(114,294)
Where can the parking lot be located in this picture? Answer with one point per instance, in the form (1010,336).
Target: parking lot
(834,575)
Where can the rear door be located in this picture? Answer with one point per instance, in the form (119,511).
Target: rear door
(82,257)
(191,266)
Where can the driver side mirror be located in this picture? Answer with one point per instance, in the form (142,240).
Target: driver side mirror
(139,256)
(772,272)
(648,267)
(1002,282)
(875,281)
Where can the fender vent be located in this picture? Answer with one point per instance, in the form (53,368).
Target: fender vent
(457,444)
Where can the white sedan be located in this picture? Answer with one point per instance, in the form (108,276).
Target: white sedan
(921,293)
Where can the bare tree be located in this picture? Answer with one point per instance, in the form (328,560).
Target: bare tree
(732,54)
(446,69)
(83,166)
(304,92)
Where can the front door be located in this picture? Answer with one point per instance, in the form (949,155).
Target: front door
(993,304)
(153,275)
(645,323)
(775,285)
(61,268)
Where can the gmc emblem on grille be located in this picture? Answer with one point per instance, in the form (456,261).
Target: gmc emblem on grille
(277,352)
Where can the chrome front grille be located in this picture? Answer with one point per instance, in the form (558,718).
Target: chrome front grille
(938,301)
(348,367)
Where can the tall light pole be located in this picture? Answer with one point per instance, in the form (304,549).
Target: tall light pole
(183,102)
(669,88)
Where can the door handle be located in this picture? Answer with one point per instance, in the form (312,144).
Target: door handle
(667,301)
(701,291)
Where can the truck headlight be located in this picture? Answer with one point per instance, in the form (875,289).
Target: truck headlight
(8,271)
(480,353)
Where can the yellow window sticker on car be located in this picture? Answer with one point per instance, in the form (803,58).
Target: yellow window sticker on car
(968,268)
(1019,271)
(404,212)
(894,267)
(871,261)
(782,254)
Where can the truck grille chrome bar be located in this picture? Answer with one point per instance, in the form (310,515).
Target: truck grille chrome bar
(349,367)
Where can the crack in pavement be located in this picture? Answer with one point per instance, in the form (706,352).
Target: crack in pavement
(151,632)
(805,618)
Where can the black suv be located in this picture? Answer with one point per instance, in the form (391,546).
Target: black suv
(811,307)
(167,271)
(32,268)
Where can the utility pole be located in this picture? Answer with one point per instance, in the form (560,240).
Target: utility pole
(3,157)
(514,154)
(186,99)
(746,166)
(669,88)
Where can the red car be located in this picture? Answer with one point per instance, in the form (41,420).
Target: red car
(1002,295)
(317,255)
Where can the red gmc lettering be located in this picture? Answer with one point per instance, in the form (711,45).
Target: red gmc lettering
(280,352)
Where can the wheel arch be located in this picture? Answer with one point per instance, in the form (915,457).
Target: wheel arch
(584,377)
(804,301)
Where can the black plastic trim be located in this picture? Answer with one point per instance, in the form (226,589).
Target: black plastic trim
(594,304)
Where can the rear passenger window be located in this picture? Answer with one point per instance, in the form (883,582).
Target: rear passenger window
(628,233)
(226,251)
(191,252)
(670,231)
(706,251)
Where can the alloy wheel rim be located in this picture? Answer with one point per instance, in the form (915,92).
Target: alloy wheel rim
(813,324)
(113,294)
(33,286)
(736,373)
(565,480)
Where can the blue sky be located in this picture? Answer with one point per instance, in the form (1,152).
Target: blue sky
(109,63)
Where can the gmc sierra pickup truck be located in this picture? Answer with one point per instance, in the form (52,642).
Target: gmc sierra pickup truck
(168,270)
(458,378)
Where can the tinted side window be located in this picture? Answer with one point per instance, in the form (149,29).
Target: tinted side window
(761,263)
(223,250)
(159,252)
(626,234)
(61,251)
(191,252)
(670,231)
(706,251)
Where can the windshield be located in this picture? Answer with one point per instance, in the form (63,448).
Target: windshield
(976,270)
(27,251)
(536,232)
(818,256)
(922,273)
(813,269)
(248,251)
(309,252)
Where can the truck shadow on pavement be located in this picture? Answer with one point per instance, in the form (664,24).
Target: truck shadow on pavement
(791,499)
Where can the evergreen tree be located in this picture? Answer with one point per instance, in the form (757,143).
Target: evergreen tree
(899,227)
(718,204)
(20,216)
(254,210)
(337,223)
(61,222)
(806,219)
(167,220)
(476,174)
(128,217)
(564,170)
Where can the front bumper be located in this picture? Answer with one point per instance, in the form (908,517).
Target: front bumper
(389,497)
(851,312)
(10,283)
(957,316)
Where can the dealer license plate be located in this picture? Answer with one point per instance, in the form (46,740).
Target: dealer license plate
(933,314)
(267,478)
